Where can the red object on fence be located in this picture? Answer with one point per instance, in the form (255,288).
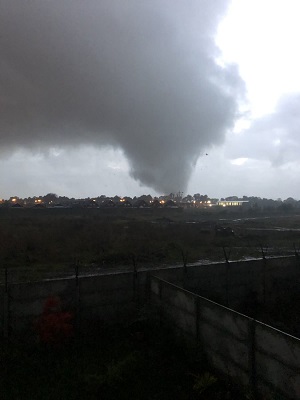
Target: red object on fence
(54,326)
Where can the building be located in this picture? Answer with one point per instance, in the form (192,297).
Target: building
(232,203)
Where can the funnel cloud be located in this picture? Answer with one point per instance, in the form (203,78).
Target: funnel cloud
(136,75)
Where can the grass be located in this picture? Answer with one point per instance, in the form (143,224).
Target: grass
(37,244)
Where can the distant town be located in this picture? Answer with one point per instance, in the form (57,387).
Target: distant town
(172,200)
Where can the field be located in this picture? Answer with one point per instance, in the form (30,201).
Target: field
(49,242)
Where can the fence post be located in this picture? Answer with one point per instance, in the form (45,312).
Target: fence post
(264,273)
(77,299)
(148,288)
(251,357)
(197,304)
(78,338)
(184,255)
(76,272)
(296,250)
(6,305)
(160,304)
(135,278)
(227,274)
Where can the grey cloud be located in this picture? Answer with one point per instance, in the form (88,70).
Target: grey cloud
(135,74)
(274,137)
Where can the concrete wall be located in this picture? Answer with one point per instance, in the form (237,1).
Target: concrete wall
(277,361)
(252,353)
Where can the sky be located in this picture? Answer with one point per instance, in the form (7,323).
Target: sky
(136,97)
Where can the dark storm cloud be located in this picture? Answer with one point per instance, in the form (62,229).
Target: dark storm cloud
(274,137)
(135,74)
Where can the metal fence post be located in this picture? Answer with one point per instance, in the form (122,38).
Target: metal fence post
(77,301)
(197,306)
(160,304)
(135,279)
(296,250)
(227,274)
(6,305)
(78,339)
(264,272)
(251,357)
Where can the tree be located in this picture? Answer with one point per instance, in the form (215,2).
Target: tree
(50,198)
